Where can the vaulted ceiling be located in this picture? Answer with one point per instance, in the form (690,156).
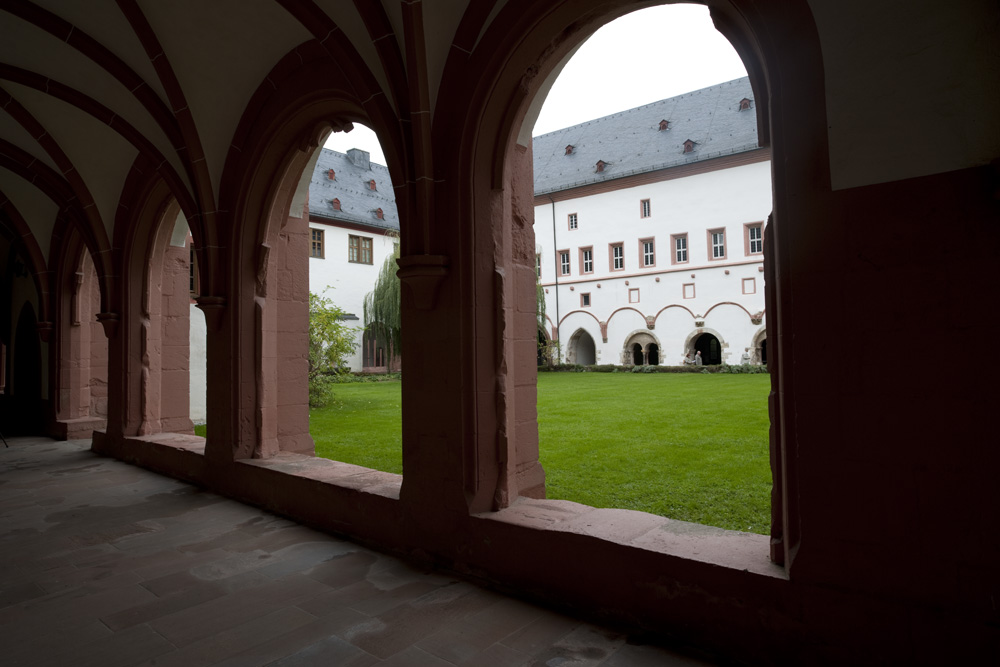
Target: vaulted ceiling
(86,89)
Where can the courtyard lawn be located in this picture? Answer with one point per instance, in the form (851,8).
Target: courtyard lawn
(362,426)
(686,446)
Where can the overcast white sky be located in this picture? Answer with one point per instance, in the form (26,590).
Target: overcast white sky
(640,58)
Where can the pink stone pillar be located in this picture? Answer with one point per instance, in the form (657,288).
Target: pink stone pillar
(291,350)
(175,327)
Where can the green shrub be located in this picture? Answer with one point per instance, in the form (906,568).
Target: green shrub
(321,390)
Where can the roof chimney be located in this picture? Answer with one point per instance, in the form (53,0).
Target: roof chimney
(360,158)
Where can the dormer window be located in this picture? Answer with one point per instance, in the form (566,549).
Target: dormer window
(569,149)
(371,184)
(664,125)
(688,146)
(745,104)
(331,174)
(599,167)
(335,203)
(378,212)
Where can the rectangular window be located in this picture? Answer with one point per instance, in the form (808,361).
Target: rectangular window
(538,266)
(680,243)
(644,209)
(749,285)
(193,274)
(633,295)
(316,243)
(359,249)
(717,243)
(564,262)
(688,290)
(586,260)
(585,300)
(647,252)
(617,256)
(572,221)
(753,238)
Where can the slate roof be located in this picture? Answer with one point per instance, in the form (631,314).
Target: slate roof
(358,202)
(630,142)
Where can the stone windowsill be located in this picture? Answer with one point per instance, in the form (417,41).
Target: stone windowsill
(346,475)
(741,551)
(728,548)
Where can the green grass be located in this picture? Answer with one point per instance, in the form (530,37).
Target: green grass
(690,447)
(686,446)
(362,426)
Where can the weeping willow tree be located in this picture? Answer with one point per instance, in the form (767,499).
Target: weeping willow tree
(540,303)
(381,305)
(545,347)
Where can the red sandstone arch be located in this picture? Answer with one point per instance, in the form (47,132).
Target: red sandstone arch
(728,303)
(260,405)
(632,308)
(523,46)
(578,310)
(79,348)
(673,305)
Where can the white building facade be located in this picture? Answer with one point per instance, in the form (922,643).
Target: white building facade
(649,232)
(354,227)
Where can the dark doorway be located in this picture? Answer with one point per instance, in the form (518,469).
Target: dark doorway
(763,352)
(711,350)
(653,355)
(637,354)
(24,408)
(543,357)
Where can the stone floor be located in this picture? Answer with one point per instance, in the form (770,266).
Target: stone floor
(106,564)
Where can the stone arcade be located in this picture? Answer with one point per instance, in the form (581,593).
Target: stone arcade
(121,118)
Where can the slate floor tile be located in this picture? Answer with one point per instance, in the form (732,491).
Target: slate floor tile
(106,564)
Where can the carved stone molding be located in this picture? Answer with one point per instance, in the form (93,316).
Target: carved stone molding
(604,331)
(110,323)
(699,323)
(44,331)
(650,322)
(423,275)
(213,307)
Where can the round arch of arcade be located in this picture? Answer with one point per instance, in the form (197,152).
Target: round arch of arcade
(711,344)
(581,348)
(642,348)
(758,347)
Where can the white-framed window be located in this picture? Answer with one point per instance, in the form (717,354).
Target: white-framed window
(564,262)
(648,252)
(585,300)
(680,254)
(717,243)
(587,260)
(754,238)
(617,256)
(633,295)
(572,221)
(538,265)
(644,208)
(359,249)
